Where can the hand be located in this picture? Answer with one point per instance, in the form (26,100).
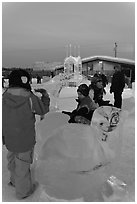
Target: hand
(96,105)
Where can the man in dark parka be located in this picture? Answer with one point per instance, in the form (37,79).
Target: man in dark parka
(117,86)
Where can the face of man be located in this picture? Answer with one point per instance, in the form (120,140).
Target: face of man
(99,84)
(80,96)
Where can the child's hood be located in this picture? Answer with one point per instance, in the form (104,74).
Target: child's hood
(15,98)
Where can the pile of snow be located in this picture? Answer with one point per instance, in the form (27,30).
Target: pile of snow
(73,161)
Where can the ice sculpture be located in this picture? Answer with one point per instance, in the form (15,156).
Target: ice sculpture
(45,127)
(51,121)
(106,121)
(74,159)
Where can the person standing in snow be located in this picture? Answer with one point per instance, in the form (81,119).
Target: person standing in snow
(38,79)
(97,88)
(19,106)
(117,86)
(85,108)
(104,78)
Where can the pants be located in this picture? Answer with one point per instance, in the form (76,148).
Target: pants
(20,175)
(117,99)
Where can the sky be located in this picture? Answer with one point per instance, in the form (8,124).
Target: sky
(42,31)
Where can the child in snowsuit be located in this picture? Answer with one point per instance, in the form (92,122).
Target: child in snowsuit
(85,108)
(19,106)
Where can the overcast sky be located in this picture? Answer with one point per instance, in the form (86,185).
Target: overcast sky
(40,31)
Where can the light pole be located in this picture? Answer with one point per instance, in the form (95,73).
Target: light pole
(115,49)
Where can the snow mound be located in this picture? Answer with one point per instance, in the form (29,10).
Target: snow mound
(68,162)
(73,159)
(51,121)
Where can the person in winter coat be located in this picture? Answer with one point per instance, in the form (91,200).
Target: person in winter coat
(104,78)
(19,106)
(97,88)
(85,108)
(117,86)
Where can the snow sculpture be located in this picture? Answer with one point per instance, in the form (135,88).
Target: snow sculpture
(70,162)
(74,160)
(51,121)
(73,65)
(108,122)
(45,127)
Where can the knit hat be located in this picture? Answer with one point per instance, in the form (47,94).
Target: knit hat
(19,78)
(96,79)
(84,89)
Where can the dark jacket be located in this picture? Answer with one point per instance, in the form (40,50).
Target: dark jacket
(98,95)
(104,79)
(18,118)
(118,82)
(85,109)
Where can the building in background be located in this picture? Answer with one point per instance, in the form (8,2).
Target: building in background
(88,66)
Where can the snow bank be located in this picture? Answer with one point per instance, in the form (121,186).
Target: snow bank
(74,160)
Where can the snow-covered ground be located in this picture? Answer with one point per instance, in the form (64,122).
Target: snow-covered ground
(125,168)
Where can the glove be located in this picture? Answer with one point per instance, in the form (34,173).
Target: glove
(42,91)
